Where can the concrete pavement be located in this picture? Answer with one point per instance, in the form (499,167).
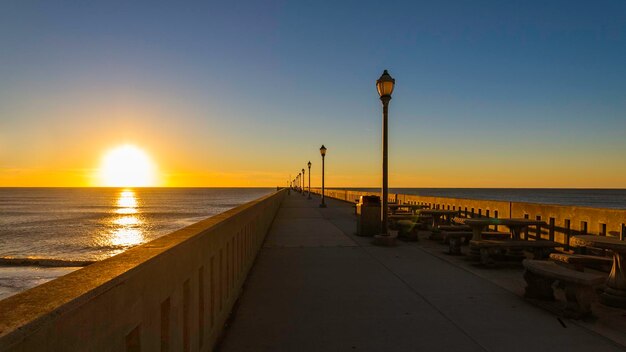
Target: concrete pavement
(317,287)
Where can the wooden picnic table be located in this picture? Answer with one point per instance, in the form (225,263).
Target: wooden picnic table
(615,288)
(516,225)
(437,214)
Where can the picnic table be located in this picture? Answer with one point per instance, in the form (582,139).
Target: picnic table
(513,246)
(411,207)
(516,225)
(615,287)
(437,214)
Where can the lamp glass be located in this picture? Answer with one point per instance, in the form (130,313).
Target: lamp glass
(323,150)
(385,84)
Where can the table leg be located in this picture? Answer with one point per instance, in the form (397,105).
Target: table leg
(516,231)
(435,224)
(615,291)
(477,232)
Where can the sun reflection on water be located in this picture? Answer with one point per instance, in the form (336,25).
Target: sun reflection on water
(126,203)
(126,227)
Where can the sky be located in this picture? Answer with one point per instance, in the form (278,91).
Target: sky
(244,93)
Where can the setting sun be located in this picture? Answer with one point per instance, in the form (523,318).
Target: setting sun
(127,166)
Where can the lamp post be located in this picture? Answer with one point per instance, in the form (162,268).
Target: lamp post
(309,164)
(299,178)
(384,85)
(302,182)
(323,152)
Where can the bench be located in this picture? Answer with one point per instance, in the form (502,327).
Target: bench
(485,248)
(454,239)
(493,235)
(394,219)
(401,217)
(580,261)
(455,228)
(408,229)
(578,286)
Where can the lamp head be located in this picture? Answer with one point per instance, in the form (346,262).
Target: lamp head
(385,84)
(309,164)
(323,150)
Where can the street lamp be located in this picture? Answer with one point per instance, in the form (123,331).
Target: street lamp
(323,152)
(309,164)
(384,85)
(302,182)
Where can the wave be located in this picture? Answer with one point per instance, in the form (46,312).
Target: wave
(43,262)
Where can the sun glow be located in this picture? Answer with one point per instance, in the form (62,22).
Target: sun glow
(127,166)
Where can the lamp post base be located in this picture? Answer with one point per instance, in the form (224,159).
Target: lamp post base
(384,241)
(309,197)
(322,205)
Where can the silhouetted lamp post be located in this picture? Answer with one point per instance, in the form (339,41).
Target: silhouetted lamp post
(384,85)
(323,152)
(309,164)
(302,182)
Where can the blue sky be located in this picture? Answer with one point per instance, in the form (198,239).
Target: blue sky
(488,94)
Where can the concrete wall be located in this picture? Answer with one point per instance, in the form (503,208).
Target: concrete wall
(564,221)
(171,294)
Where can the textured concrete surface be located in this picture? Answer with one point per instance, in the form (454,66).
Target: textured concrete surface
(317,287)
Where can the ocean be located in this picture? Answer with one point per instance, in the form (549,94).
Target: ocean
(49,230)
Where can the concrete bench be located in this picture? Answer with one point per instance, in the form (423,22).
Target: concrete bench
(485,248)
(397,217)
(580,261)
(578,286)
(455,239)
(494,235)
(408,229)
(455,228)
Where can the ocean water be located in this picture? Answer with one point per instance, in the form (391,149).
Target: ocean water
(597,198)
(49,229)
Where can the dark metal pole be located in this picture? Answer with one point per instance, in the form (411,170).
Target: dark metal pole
(309,181)
(385,190)
(323,205)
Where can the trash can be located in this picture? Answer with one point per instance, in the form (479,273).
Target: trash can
(368,216)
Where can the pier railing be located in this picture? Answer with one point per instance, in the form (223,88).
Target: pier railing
(171,294)
(563,221)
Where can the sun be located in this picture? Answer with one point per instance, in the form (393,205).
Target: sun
(127,166)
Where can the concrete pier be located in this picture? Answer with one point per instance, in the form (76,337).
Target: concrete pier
(317,287)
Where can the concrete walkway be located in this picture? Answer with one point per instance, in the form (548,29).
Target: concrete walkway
(317,287)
